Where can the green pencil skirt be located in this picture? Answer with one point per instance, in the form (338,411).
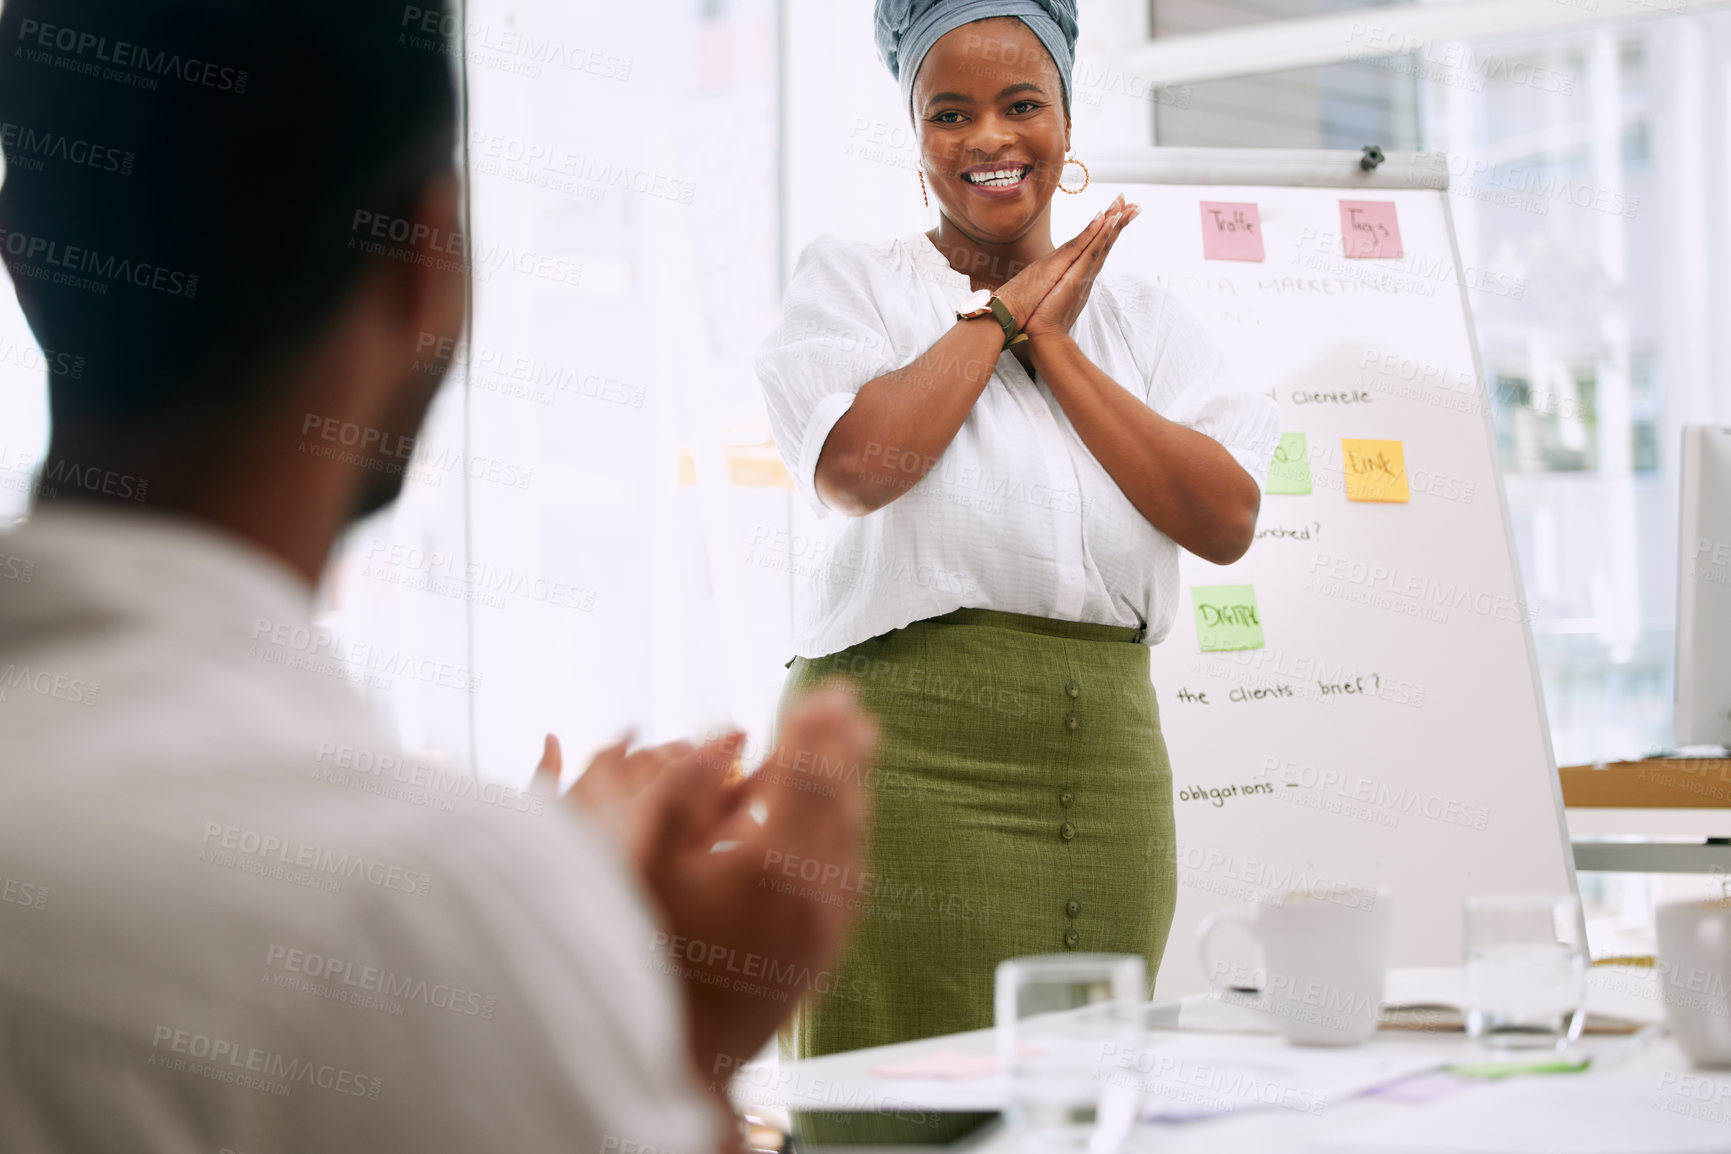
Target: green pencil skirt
(1021,804)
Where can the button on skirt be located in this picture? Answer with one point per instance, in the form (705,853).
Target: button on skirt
(1021,804)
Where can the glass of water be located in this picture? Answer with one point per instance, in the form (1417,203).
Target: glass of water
(1068,1029)
(1526,970)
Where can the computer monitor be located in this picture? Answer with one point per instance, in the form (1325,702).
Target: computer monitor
(1704,589)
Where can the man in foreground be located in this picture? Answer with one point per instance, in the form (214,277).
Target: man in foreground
(203,945)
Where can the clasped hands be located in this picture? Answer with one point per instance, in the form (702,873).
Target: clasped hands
(1048,295)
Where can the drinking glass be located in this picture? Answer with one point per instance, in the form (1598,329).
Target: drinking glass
(1068,1027)
(1526,970)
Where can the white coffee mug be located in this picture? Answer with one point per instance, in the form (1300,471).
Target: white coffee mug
(1321,958)
(1694,971)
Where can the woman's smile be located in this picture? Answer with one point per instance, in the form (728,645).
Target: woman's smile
(999,180)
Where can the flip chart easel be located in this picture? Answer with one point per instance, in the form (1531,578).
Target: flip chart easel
(1356,702)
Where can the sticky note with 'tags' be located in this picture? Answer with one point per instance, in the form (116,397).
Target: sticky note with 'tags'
(1370,229)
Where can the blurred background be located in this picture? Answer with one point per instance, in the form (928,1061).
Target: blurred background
(598,527)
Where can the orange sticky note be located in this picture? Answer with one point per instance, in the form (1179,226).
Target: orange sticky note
(1370,229)
(1375,471)
(1231,231)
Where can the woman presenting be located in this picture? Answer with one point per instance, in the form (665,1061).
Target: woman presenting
(1021,446)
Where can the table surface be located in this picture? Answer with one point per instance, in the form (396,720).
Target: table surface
(1623,1063)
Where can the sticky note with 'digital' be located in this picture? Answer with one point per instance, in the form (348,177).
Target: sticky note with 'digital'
(1231,231)
(1226,617)
(1375,470)
(1289,473)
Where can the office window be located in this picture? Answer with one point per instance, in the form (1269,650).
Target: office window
(1562,192)
(1545,424)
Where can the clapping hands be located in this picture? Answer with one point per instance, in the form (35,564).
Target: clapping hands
(672,804)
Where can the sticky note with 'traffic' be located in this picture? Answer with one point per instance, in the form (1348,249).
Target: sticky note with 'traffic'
(1290,471)
(1226,617)
(1375,470)
(1231,231)
(1370,230)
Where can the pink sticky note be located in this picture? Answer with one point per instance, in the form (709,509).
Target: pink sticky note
(942,1064)
(1231,231)
(1370,230)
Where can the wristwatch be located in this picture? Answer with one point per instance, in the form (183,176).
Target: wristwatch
(984,304)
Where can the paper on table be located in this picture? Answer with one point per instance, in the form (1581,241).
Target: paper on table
(1648,1106)
(1198,1078)
(1221,1074)
(1190,1077)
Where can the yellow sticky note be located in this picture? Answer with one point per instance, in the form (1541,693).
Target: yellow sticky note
(1375,470)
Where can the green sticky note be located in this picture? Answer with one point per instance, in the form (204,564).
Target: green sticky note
(1493,1070)
(1290,472)
(1226,617)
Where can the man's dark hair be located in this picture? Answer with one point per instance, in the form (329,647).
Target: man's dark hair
(183,179)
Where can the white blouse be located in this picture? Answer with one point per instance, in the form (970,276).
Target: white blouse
(1016,515)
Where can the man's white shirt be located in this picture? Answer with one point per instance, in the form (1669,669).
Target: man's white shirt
(211,939)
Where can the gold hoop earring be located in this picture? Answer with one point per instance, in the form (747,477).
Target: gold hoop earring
(921,173)
(1086,178)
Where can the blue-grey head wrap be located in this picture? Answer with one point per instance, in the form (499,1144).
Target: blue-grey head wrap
(907,29)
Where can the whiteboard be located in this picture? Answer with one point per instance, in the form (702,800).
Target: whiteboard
(1390,731)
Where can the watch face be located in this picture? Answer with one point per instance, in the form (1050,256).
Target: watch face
(975,303)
